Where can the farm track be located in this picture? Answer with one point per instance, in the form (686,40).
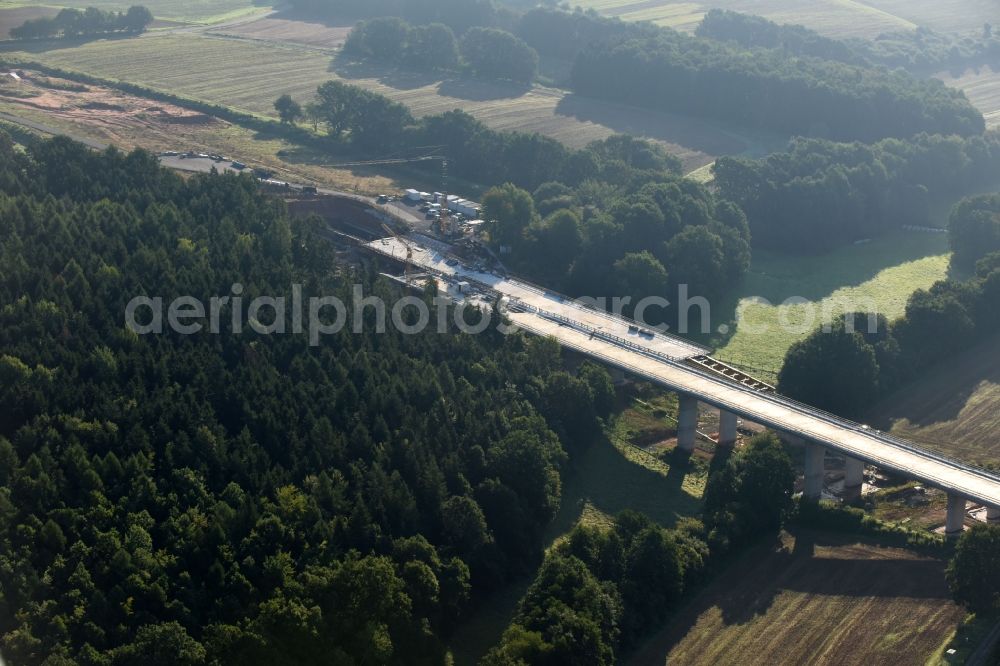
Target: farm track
(48,129)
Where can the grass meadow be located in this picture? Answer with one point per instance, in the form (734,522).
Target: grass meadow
(628,470)
(881,275)
(249,75)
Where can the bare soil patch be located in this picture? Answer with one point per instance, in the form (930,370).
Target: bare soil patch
(97,106)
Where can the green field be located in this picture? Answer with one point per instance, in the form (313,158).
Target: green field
(814,598)
(193,11)
(611,476)
(881,275)
(250,75)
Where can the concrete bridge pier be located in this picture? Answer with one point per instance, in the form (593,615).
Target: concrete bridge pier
(727,428)
(687,422)
(854,473)
(814,467)
(955,521)
(993,515)
(617,376)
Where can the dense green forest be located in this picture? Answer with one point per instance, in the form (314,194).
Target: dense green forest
(642,240)
(974,230)
(921,50)
(372,123)
(599,591)
(820,194)
(483,52)
(601,221)
(393,40)
(824,91)
(802,95)
(812,95)
(91,21)
(237,499)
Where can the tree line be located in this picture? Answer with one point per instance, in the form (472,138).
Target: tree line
(636,240)
(193,499)
(805,96)
(371,123)
(863,357)
(90,21)
(353,117)
(974,230)
(482,51)
(921,50)
(614,218)
(601,590)
(820,194)
(659,68)
(826,90)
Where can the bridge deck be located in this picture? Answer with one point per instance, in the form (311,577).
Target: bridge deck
(772,411)
(432,258)
(661,359)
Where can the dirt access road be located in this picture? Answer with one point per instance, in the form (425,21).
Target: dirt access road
(48,129)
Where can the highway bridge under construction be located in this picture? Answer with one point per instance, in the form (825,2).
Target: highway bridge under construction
(690,371)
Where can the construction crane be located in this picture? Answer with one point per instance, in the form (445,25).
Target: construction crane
(409,251)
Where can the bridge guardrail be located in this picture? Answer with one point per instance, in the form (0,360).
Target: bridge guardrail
(781,399)
(575,303)
(775,397)
(875,460)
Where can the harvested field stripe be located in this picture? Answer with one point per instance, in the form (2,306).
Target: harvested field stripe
(250,75)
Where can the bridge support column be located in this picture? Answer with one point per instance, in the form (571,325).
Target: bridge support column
(617,376)
(993,514)
(727,428)
(687,422)
(955,521)
(854,473)
(815,455)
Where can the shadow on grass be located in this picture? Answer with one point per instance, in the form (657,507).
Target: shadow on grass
(751,582)
(686,131)
(943,391)
(388,75)
(777,277)
(478,90)
(611,483)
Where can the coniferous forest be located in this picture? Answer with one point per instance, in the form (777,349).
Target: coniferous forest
(243,498)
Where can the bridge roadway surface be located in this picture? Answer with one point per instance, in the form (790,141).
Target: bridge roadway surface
(662,359)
